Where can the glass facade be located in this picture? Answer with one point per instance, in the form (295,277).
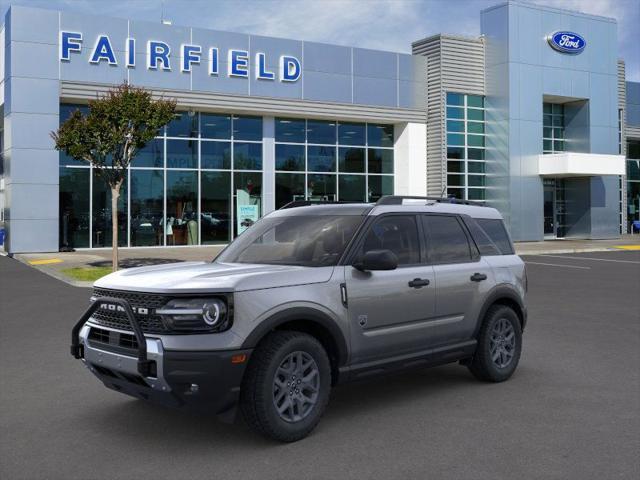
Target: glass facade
(552,128)
(188,185)
(633,182)
(181,188)
(465,130)
(332,161)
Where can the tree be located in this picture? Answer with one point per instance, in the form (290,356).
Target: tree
(117,126)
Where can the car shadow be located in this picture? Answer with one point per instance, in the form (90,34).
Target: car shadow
(140,420)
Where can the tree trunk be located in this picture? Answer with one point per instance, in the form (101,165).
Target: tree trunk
(115,193)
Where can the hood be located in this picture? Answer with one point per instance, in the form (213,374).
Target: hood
(192,277)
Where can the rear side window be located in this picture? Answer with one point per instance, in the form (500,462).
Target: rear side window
(447,241)
(494,228)
(484,243)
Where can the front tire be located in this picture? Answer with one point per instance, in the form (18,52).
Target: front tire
(499,345)
(286,387)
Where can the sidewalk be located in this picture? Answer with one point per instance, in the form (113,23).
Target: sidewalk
(55,264)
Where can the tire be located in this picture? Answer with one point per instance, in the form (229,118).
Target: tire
(499,345)
(269,385)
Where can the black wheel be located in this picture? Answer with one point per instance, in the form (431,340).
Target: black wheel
(499,345)
(286,387)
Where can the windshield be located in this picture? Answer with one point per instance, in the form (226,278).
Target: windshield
(310,241)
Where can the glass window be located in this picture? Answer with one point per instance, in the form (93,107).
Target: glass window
(321,159)
(497,232)
(455,180)
(66,109)
(633,149)
(215,126)
(289,188)
(182,153)
(247,156)
(215,155)
(351,160)
(476,180)
(380,135)
(483,242)
(305,240)
(455,139)
(247,192)
(215,207)
(455,98)
(447,242)
(475,194)
(379,185)
(546,108)
(352,188)
(290,130)
(247,128)
(184,124)
(558,121)
(477,115)
(456,113)
(633,170)
(152,155)
(455,126)
(101,225)
(351,133)
(321,187)
(74,207)
(475,127)
(476,167)
(475,154)
(182,208)
(380,161)
(455,167)
(456,193)
(147,187)
(398,233)
(475,101)
(319,131)
(290,157)
(558,145)
(547,132)
(475,140)
(455,152)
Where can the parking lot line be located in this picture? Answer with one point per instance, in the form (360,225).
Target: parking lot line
(558,265)
(589,258)
(47,261)
(627,247)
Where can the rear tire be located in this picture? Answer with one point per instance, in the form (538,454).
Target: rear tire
(499,345)
(286,387)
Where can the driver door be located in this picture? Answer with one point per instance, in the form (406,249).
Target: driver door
(387,315)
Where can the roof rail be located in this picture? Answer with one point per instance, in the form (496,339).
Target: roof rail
(306,203)
(398,200)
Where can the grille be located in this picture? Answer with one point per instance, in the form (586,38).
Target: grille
(115,319)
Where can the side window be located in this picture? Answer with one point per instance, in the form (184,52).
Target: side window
(484,243)
(447,241)
(398,233)
(496,231)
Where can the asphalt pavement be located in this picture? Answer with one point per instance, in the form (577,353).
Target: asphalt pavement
(572,410)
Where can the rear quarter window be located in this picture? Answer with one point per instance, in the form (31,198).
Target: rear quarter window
(496,231)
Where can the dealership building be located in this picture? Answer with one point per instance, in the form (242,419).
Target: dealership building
(533,117)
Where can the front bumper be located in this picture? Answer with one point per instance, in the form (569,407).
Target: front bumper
(208,380)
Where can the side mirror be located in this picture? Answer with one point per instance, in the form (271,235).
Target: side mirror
(377,260)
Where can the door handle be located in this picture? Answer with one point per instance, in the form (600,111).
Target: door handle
(478,277)
(418,283)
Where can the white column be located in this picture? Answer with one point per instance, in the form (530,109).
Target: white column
(410,159)
(268,165)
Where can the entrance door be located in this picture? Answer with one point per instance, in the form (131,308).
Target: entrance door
(555,208)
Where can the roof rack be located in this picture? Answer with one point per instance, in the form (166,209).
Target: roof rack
(398,200)
(306,203)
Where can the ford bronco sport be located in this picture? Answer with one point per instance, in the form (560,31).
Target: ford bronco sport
(308,297)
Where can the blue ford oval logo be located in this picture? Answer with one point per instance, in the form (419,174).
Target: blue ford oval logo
(567,42)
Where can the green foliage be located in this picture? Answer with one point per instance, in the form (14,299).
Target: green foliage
(117,126)
(87,274)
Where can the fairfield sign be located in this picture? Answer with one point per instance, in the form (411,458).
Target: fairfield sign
(159,56)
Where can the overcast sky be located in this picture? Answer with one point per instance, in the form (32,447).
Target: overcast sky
(378,24)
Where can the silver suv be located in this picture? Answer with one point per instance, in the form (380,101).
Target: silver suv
(308,297)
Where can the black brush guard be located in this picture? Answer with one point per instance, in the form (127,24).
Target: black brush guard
(144,365)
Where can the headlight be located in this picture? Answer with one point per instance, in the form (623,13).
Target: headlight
(195,314)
